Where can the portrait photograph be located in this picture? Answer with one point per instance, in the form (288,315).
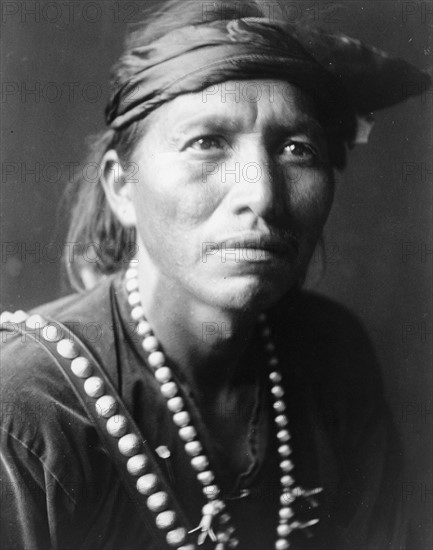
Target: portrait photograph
(216,286)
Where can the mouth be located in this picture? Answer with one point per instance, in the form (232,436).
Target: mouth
(266,245)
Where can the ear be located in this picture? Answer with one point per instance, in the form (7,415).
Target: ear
(118,189)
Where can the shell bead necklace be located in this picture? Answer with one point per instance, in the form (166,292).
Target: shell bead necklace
(216,522)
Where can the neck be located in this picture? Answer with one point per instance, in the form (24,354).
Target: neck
(207,343)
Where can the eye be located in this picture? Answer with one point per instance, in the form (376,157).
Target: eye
(206,143)
(301,150)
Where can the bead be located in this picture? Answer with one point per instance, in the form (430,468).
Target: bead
(163,452)
(129,444)
(94,386)
(262,318)
(181,419)
(222,536)
(19,316)
(169,389)
(287,498)
(35,321)
(143,328)
(286,513)
(233,543)
(134,298)
(211,491)
(150,344)
(279,406)
(266,332)
(187,547)
(176,537)
(282,544)
(187,433)
(285,450)
(199,463)
(281,420)
(106,406)
(131,273)
(284,530)
(137,464)
(158,502)
(224,518)
(193,448)
(6,317)
(147,484)
(67,349)
(283,435)
(51,333)
(81,367)
(137,313)
(156,359)
(273,362)
(131,284)
(163,375)
(165,520)
(287,481)
(117,425)
(286,465)
(275,377)
(175,404)
(277,391)
(206,477)
(270,347)
(220,546)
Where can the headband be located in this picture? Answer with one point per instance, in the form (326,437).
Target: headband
(340,73)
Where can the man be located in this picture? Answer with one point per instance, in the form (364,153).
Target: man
(254,412)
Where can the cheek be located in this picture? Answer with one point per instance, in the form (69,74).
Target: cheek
(311,200)
(171,197)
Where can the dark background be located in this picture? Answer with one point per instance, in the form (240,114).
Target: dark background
(379,237)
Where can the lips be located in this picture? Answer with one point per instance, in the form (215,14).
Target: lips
(281,245)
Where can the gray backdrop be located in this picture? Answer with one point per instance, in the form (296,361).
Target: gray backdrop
(55,61)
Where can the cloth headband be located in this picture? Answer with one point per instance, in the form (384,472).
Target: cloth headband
(339,72)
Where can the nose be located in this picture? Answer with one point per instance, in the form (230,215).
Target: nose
(260,189)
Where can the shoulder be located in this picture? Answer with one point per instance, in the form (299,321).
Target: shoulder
(330,343)
(85,306)
(330,360)
(34,393)
(87,314)
(79,306)
(316,317)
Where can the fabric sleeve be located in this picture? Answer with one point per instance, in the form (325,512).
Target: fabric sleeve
(24,515)
(370,510)
(60,489)
(366,508)
(37,480)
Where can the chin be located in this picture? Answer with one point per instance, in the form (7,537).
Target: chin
(247,293)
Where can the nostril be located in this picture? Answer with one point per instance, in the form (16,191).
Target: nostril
(263,198)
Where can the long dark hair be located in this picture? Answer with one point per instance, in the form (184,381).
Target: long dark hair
(92,222)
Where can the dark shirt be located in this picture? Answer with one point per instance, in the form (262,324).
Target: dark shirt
(61,490)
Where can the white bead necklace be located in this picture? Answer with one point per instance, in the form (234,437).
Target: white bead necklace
(216,522)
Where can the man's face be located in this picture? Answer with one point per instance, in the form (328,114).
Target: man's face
(233,192)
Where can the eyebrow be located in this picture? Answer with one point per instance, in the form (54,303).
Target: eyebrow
(307,125)
(303,124)
(221,122)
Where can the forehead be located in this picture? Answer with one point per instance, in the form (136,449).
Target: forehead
(246,105)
